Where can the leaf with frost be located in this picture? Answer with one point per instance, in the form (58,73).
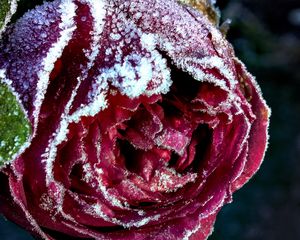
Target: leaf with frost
(7,9)
(206,7)
(14,126)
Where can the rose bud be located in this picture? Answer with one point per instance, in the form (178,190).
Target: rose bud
(143,122)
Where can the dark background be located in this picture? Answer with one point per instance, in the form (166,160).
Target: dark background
(266,37)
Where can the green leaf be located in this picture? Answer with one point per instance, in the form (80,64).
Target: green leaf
(14,125)
(7,9)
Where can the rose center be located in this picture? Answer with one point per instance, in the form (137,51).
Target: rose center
(162,146)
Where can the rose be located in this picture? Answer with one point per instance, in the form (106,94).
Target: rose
(143,121)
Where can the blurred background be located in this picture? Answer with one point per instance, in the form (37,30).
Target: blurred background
(266,37)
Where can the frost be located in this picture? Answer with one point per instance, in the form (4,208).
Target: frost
(107,195)
(67,26)
(169,180)
(99,212)
(189,233)
(132,76)
(173,140)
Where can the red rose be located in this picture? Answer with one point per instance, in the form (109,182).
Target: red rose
(143,121)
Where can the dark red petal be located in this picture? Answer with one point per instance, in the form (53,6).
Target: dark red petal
(258,137)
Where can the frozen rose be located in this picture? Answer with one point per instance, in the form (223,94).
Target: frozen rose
(143,121)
